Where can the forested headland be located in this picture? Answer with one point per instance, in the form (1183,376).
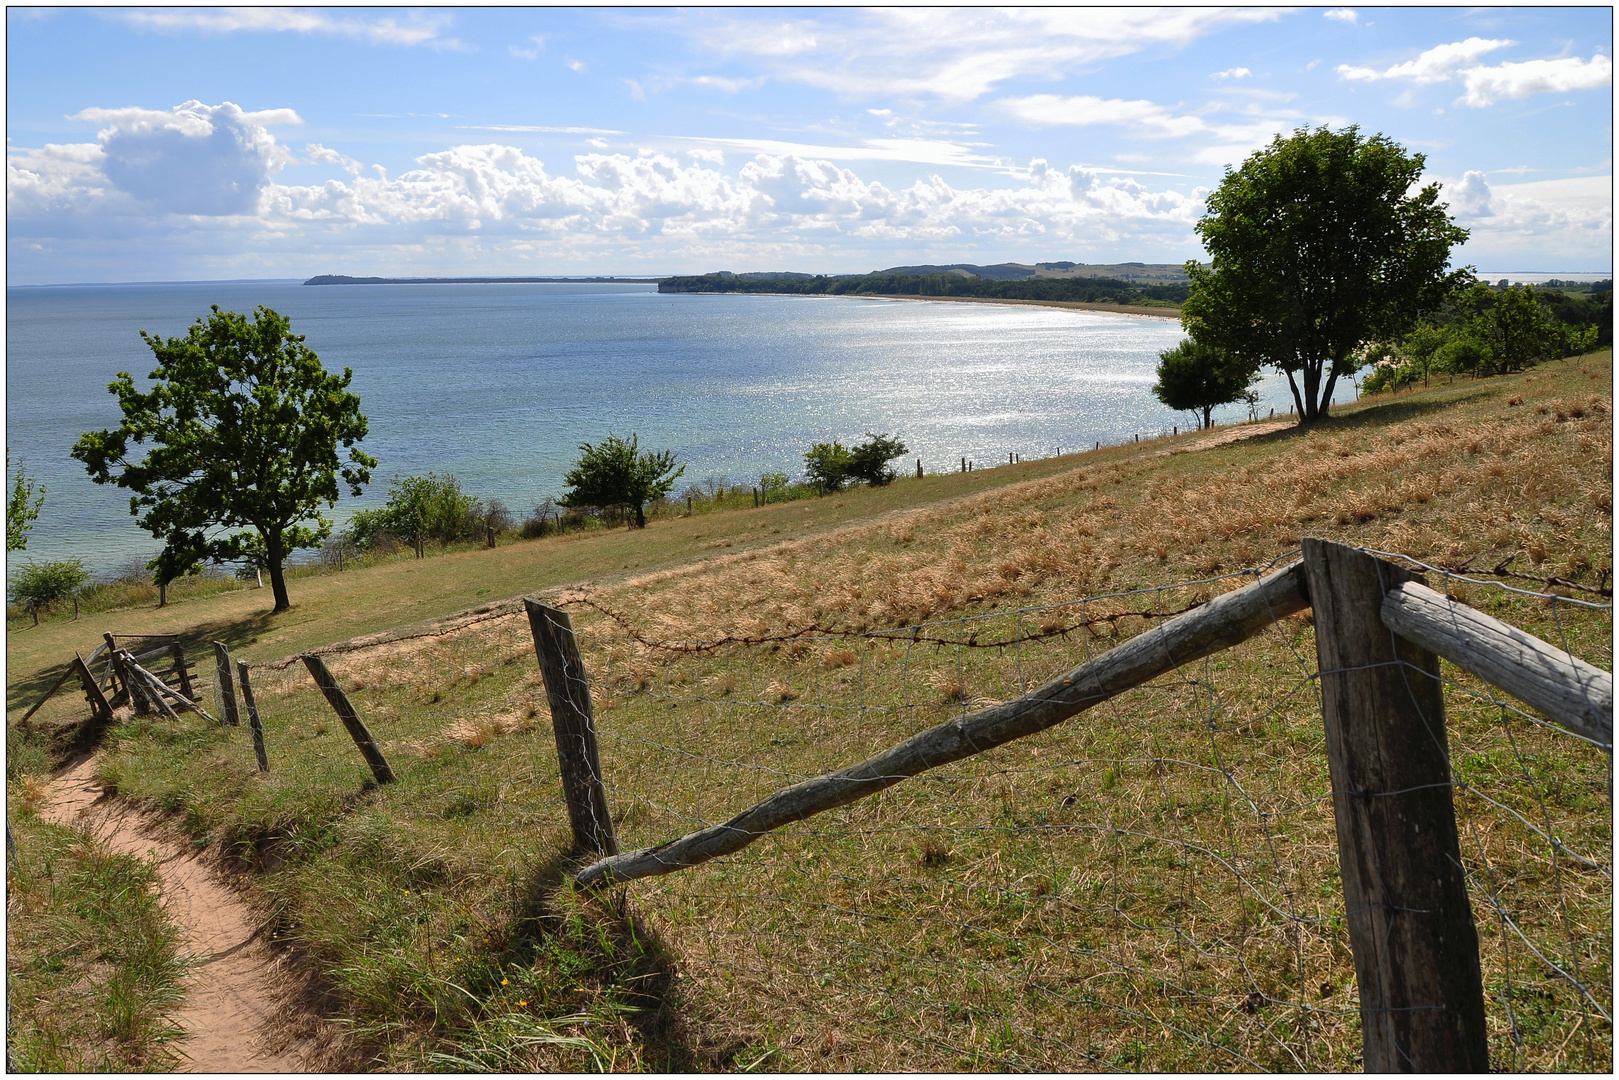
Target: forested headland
(951,284)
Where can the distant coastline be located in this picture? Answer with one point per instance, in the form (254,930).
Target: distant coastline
(344,279)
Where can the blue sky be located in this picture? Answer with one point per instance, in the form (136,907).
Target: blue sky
(196,143)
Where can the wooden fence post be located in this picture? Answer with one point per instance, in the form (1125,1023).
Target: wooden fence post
(574,725)
(351,720)
(253,717)
(92,690)
(133,691)
(228,716)
(181,670)
(1405,895)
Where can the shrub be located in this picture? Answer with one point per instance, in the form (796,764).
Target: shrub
(869,461)
(422,508)
(826,465)
(40,585)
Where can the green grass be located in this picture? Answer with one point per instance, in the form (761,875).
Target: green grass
(1069,902)
(92,960)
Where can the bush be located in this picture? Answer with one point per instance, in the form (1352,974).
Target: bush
(40,585)
(826,465)
(869,461)
(422,508)
(773,486)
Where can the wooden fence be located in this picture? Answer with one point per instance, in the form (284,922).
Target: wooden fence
(1379,634)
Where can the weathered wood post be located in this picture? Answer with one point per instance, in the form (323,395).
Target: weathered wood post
(92,690)
(66,674)
(351,720)
(132,689)
(1405,896)
(253,717)
(228,716)
(181,670)
(919,468)
(574,725)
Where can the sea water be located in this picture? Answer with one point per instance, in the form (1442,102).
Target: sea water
(500,384)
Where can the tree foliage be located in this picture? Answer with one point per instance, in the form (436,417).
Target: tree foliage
(245,427)
(39,585)
(1480,331)
(22,507)
(829,466)
(868,462)
(1198,378)
(421,508)
(618,473)
(1317,245)
(826,466)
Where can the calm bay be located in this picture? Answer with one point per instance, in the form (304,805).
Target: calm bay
(500,383)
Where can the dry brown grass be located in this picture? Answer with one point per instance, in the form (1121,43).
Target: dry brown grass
(1152,886)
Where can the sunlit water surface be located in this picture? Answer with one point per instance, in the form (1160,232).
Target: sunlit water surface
(499,384)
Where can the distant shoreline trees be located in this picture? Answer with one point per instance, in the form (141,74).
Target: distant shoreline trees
(1082,290)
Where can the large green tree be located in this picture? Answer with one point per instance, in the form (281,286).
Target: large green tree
(1198,378)
(245,426)
(619,473)
(1318,244)
(22,507)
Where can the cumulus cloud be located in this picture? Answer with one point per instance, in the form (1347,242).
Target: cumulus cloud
(195,159)
(1487,85)
(1436,65)
(1570,220)
(1348,15)
(1233,73)
(1471,197)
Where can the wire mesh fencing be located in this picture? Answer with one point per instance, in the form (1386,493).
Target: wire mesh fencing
(1152,885)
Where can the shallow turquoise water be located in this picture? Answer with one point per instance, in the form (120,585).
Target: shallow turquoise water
(500,383)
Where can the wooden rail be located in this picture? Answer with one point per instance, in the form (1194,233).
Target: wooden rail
(1575,694)
(1217,625)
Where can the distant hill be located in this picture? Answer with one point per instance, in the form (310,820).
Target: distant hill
(1167,273)
(958,281)
(344,279)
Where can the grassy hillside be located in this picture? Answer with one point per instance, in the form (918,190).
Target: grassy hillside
(1151,887)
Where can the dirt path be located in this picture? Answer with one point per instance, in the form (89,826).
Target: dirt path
(230,1011)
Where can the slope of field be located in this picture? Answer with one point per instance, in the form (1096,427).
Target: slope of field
(1151,887)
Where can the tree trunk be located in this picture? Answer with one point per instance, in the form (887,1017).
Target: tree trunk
(1298,402)
(278,582)
(162,594)
(1208,414)
(1312,383)
(640,516)
(1326,395)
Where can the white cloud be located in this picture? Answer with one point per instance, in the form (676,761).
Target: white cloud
(1348,15)
(575,65)
(195,159)
(421,29)
(1148,118)
(1487,85)
(539,129)
(917,151)
(1232,73)
(1436,65)
(730,86)
(957,53)
(1471,197)
(1549,223)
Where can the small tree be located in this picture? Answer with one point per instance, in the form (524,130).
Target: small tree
(22,507)
(826,465)
(619,473)
(1198,378)
(1320,243)
(246,425)
(869,461)
(39,585)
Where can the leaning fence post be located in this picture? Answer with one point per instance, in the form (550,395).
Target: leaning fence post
(574,725)
(253,717)
(227,694)
(1405,894)
(92,690)
(180,669)
(351,720)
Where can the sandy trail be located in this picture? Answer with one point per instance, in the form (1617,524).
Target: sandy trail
(230,1012)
